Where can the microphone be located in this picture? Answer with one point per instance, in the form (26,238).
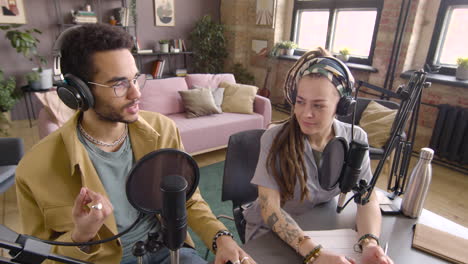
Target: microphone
(351,170)
(174,213)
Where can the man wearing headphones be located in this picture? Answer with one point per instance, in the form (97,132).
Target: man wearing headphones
(71,185)
(318,87)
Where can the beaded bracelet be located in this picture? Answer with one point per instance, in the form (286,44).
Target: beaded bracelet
(365,238)
(313,255)
(220,233)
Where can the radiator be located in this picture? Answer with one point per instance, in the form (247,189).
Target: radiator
(450,135)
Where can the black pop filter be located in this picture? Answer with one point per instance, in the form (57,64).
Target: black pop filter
(144,181)
(331,163)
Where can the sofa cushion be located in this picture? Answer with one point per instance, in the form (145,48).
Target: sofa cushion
(198,102)
(238,98)
(218,95)
(162,95)
(377,120)
(211,81)
(213,131)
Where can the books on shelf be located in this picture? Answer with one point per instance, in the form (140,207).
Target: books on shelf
(178,44)
(83,17)
(181,72)
(144,51)
(158,68)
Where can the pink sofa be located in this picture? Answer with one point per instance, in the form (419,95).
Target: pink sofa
(200,134)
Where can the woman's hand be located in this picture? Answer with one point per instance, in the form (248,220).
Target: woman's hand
(327,257)
(373,254)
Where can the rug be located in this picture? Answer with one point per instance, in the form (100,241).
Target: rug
(211,181)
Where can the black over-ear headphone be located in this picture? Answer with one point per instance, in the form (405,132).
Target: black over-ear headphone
(346,104)
(73,91)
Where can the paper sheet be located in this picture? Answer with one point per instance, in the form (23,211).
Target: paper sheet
(339,241)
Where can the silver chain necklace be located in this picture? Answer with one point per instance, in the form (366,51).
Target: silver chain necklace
(104,144)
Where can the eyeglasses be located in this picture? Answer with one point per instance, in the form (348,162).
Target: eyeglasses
(121,87)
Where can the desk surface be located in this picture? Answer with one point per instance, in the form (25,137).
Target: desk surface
(397,230)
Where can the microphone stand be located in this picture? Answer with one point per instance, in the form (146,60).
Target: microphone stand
(410,96)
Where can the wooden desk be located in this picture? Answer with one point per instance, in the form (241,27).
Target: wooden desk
(397,230)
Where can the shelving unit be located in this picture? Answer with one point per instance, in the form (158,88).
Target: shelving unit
(139,56)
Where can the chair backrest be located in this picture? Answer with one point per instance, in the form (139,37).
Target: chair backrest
(361,104)
(239,168)
(13,151)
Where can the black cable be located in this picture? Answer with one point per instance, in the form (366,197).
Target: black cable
(91,243)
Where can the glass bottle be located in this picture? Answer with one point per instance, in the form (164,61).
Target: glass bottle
(418,185)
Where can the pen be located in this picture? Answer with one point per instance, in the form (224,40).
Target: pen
(386,248)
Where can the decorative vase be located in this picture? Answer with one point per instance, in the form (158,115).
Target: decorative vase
(46,79)
(343,57)
(462,73)
(164,47)
(290,52)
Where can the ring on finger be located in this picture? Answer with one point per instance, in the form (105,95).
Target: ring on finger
(244,259)
(97,206)
(237,262)
(348,258)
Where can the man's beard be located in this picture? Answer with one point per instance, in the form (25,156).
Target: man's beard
(112,115)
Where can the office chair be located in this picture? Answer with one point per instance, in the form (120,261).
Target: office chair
(361,104)
(12,152)
(239,168)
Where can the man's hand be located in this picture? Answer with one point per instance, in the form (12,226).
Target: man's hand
(87,220)
(228,250)
(373,254)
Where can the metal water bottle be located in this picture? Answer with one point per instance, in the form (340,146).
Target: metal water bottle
(418,185)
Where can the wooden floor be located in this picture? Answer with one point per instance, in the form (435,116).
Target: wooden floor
(448,195)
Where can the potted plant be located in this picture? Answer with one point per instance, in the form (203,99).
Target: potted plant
(164,45)
(344,54)
(462,69)
(25,42)
(289,46)
(8,97)
(208,46)
(33,79)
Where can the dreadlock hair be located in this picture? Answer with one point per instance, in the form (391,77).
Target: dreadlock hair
(286,157)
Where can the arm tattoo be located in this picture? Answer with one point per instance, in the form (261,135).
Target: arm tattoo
(288,230)
(272,219)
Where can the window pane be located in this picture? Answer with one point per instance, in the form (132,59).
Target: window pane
(454,44)
(354,30)
(312,29)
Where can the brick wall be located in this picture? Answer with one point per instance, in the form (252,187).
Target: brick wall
(238,16)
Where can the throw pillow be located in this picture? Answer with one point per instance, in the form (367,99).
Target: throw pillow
(198,102)
(218,95)
(377,121)
(238,98)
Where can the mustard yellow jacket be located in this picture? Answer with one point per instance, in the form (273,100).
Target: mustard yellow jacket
(50,175)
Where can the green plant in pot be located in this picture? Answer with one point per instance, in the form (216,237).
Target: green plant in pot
(33,79)
(8,97)
(164,45)
(209,46)
(24,41)
(343,54)
(462,69)
(289,46)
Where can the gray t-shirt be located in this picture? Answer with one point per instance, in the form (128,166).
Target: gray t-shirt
(113,169)
(252,214)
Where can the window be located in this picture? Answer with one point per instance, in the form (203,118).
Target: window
(450,37)
(336,25)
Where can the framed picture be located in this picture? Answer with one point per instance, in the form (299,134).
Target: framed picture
(265,13)
(12,12)
(164,13)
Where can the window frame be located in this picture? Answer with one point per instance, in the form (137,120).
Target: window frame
(436,38)
(332,6)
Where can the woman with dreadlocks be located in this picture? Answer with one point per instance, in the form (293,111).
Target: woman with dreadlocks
(318,87)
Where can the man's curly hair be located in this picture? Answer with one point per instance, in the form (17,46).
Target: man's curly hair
(79,46)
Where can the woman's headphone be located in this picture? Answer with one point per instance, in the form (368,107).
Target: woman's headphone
(73,91)
(346,104)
